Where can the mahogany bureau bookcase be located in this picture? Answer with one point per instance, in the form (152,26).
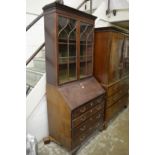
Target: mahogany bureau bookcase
(111,68)
(75,99)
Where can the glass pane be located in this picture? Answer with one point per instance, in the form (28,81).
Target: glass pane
(89,65)
(63,50)
(126,57)
(86,50)
(72,49)
(67,49)
(89,50)
(63,60)
(82,49)
(72,69)
(63,73)
(83,69)
(83,58)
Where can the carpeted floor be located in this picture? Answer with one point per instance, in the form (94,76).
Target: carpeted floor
(112,141)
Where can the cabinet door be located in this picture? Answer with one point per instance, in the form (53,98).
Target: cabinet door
(67,49)
(86,49)
(115,63)
(125,70)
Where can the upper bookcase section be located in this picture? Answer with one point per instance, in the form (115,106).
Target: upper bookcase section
(56,6)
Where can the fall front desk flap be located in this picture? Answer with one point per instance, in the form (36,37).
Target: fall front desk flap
(80,92)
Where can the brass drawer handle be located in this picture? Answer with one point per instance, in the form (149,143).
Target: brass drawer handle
(91,104)
(98,116)
(90,119)
(83,118)
(99,100)
(90,128)
(98,107)
(114,98)
(83,128)
(98,124)
(83,109)
(82,138)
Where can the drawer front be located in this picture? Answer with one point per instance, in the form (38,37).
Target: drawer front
(115,108)
(124,84)
(86,126)
(77,121)
(114,98)
(77,112)
(82,137)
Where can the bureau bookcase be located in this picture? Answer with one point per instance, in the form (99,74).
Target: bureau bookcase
(75,99)
(111,68)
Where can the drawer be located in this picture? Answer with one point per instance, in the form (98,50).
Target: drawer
(123,84)
(114,98)
(77,121)
(82,109)
(76,141)
(86,126)
(115,108)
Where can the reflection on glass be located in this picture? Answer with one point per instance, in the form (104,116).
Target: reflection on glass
(67,49)
(63,60)
(63,50)
(63,73)
(86,43)
(72,71)
(82,50)
(72,50)
(89,67)
(126,57)
(82,69)
(89,50)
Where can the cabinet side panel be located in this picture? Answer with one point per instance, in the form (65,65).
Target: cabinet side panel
(59,117)
(50,47)
(101,58)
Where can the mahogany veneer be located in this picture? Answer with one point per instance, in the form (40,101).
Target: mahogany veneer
(75,99)
(111,67)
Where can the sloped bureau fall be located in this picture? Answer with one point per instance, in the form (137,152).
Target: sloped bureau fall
(75,98)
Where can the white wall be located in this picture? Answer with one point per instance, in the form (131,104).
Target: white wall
(34,36)
(121,14)
(37,122)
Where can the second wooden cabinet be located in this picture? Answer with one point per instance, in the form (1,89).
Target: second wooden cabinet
(111,67)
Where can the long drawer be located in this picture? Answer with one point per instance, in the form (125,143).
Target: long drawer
(82,109)
(123,84)
(114,98)
(87,125)
(83,136)
(115,108)
(77,121)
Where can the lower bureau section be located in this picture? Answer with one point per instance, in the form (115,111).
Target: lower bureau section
(87,115)
(78,139)
(87,125)
(111,111)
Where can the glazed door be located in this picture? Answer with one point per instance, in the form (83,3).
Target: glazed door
(125,70)
(116,57)
(67,50)
(86,49)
